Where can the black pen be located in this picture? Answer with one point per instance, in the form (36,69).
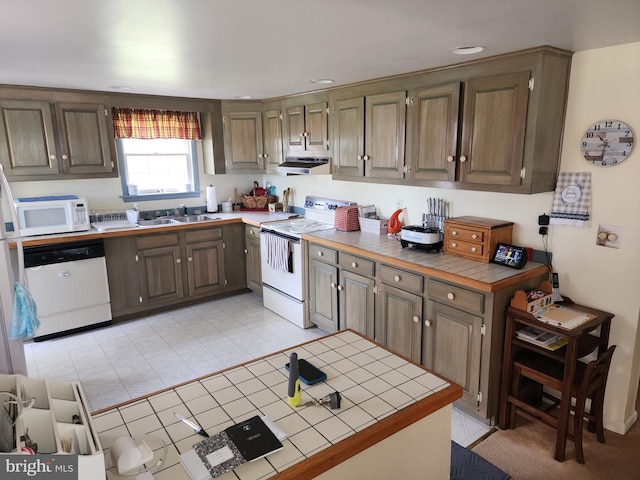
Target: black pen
(198,429)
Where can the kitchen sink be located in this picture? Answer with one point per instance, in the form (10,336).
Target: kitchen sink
(194,218)
(176,220)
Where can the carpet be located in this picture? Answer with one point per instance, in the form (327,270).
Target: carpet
(467,465)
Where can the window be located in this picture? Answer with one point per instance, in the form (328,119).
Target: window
(158,168)
(157,153)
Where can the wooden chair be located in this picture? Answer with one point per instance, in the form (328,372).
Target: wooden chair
(590,383)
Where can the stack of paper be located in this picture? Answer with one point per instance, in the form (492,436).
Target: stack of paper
(561,316)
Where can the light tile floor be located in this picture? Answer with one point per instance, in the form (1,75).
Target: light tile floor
(134,358)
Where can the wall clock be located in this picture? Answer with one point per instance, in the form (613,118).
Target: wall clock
(607,143)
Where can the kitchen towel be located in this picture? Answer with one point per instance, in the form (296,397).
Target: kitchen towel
(278,250)
(572,199)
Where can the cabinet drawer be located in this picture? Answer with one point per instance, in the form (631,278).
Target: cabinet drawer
(410,282)
(252,232)
(455,296)
(463,234)
(204,235)
(466,249)
(324,254)
(357,264)
(153,241)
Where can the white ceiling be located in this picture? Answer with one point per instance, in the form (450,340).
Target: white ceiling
(266,48)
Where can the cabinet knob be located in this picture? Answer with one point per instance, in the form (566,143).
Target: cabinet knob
(333,284)
(260,155)
(354,264)
(340,288)
(52,157)
(65,157)
(463,158)
(474,249)
(178,260)
(416,319)
(190,259)
(449,158)
(450,296)
(397,278)
(320,254)
(246,251)
(266,155)
(251,232)
(427,323)
(302,134)
(474,236)
(454,244)
(359,157)
(453,233)
(366,157)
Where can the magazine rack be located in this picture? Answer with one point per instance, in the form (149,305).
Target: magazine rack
(58,421)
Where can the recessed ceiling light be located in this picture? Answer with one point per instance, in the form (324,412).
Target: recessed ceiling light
(468,50)
(243,97)
(322,81)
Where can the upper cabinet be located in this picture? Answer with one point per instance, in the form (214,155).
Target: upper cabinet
(41,141)
(252,138)
(306,128)
(369,136)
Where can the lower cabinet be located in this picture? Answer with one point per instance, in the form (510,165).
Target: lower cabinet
(163,269)
(341,291)
(452,347)
(252,253)
(399,323)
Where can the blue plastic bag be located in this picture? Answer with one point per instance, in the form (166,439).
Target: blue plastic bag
(25,320)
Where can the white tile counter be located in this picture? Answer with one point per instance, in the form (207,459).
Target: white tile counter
(386,401)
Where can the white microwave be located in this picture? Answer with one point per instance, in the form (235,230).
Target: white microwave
(47,215)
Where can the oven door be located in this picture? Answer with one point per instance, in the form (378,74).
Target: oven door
(288,281)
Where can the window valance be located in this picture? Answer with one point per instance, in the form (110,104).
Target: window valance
(143,123)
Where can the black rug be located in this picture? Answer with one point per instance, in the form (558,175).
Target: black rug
(466,465)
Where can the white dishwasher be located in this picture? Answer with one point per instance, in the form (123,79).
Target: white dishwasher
(69,284)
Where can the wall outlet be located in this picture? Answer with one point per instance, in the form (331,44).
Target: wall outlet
(398,204)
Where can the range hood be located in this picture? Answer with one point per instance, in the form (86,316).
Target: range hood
(305,166)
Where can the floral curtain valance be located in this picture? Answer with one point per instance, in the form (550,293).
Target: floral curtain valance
(143,123)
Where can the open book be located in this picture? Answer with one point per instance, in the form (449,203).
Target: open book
(240,443)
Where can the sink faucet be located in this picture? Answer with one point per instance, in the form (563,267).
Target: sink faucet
(184,208)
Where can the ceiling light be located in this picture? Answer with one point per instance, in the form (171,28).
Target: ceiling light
(468,50)
(322,81)
(243,97)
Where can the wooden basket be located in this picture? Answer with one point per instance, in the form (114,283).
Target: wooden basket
(533,300)
(249,201)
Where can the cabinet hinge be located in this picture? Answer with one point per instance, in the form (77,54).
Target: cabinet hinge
(224,245)
(523,172)
(483,329)
(226,282)
(479,397)
(140,298)
(137,257)
(405,170)
(106,112)
(280,116)
(407,101)
(112,165)
(327,110)
(531,83)
(375,290)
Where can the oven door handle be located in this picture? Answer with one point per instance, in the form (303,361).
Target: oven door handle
(278,234)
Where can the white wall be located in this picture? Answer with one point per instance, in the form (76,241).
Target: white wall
(603,85)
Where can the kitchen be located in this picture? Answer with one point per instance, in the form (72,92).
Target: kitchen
(615,201)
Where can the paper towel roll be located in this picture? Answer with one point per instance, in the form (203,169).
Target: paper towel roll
(212,199)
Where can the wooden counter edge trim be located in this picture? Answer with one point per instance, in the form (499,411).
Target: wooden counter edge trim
(432,272)
(360,441)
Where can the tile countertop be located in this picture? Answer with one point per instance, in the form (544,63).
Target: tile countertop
(255,218)
(487,277)
(382,393)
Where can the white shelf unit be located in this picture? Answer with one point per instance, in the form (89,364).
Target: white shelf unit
(50,421)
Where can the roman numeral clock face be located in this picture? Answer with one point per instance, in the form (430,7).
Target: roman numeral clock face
(607,143)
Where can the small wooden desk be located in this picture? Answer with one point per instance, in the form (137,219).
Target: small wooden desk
(580,342)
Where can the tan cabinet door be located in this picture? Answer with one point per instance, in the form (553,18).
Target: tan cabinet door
(161,274)
(357,302)
(272,139)
(316,127)
(385,135)
(400,322)
(243,141)
(348,137)
(493,129)
(433,119)
(323,295)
